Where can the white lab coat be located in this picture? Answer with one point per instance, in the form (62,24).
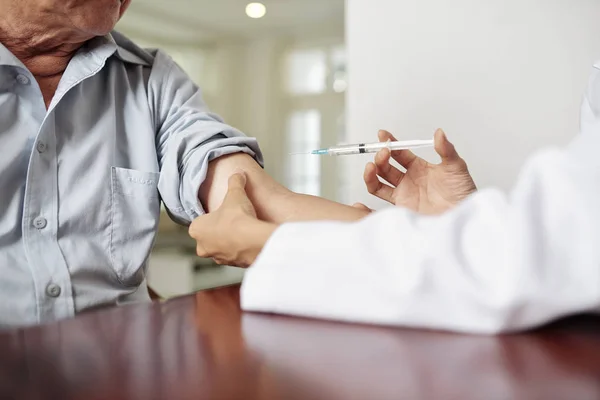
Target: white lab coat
(495,263)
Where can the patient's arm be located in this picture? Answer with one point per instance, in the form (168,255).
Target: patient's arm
(273,202)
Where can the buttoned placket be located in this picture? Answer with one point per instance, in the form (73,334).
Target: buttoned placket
(50,272)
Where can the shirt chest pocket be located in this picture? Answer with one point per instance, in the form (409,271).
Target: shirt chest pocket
(135,211)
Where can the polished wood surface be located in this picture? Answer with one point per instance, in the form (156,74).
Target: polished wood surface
(203,347)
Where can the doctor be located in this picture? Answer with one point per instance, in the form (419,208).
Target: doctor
(448,257)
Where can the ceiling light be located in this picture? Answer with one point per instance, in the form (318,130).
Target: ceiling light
(256,10)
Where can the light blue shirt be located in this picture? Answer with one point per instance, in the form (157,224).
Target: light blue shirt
(81,182)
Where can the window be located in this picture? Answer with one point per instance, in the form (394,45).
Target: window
(306,71)
(339,79)
(342,164)
(304,135)
(314,84)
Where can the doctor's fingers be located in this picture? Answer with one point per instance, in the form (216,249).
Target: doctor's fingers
(198,226)
(202,252)
(403,157)
(201,230)
(361,206)
(202,247)
(375,187)
(385,170)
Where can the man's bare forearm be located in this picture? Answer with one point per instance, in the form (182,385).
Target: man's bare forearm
(300,207)
(273,202)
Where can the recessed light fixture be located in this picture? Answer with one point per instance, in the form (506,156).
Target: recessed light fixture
(256,10)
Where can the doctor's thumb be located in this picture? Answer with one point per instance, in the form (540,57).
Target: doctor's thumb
(237,184)
(444,148)
(236,197)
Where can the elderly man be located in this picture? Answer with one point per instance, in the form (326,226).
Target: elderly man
(94,133)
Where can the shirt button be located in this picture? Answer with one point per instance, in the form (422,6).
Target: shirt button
(22,79)
(53,290)
(41,147)
(40,222)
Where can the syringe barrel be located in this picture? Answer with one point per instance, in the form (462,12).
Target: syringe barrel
(355,149)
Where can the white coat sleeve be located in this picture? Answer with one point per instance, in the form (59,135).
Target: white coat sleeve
(496,263)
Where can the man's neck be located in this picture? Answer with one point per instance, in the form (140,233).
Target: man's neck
(45,51)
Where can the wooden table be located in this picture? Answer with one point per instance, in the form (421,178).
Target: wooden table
(202,347)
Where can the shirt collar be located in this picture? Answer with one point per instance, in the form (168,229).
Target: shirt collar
(125,55)
(8,58)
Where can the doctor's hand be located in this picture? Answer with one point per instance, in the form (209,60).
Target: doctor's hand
(424,187)
(232,234)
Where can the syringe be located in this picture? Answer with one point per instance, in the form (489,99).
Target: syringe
(363,148)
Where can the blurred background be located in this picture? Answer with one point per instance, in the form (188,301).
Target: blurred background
(503,78)
(276,71)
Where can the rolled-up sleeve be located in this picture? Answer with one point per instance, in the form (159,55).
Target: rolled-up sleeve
(188,137)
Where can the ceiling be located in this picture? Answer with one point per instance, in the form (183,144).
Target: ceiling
(191,21)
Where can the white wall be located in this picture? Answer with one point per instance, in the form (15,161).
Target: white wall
(502,77)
